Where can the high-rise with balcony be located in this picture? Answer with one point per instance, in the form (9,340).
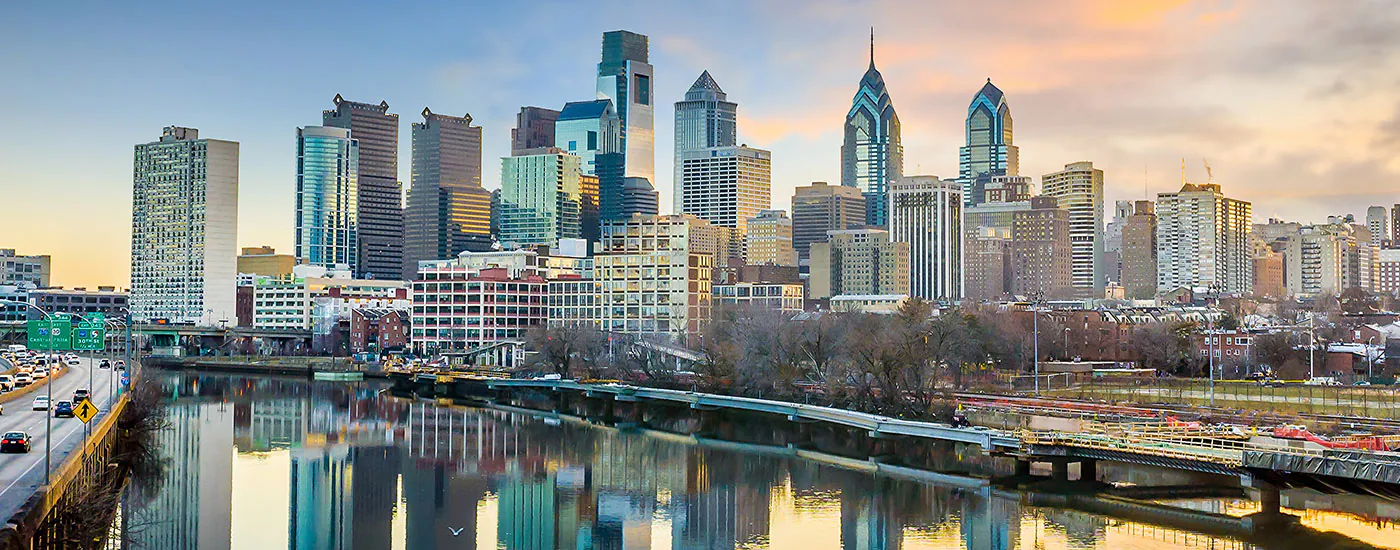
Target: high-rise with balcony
(926,213)
(184,224)
(705,119)
(624,76)
(541,198)
(1203,240)
(818,208)
(1377,220)
(872,154)
(989,150)
(327,227)
(448,210)
(379,207)
(1079,189)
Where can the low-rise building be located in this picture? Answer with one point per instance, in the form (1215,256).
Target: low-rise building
(316,298)
(106,300)
(458,308)
(376,329)
(880,304)
(784,297)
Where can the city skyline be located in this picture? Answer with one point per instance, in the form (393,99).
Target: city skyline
(1149,83)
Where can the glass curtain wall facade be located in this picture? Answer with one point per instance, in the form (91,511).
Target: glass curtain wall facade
(872,154)
(327,227)
(379,204)
(624,76)
(541,198)
(989,150)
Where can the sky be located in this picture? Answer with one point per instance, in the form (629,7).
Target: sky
(1294,104)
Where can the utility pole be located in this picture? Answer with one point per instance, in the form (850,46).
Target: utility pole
(1035,331)
(1312,343)
(1210,361)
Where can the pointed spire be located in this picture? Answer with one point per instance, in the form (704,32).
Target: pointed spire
(872,47)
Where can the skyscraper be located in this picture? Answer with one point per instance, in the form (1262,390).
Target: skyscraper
(1376,221)
(871,153)
(704,119)
(1079,189)
(541,198)
(926,212)
(591,131)
(1113,242)
(637,197)
(624,76)
(1203,240)
(534,128)
(989,150)
(818,208)
(448,210)
(327,227)
(726,185)
(379,207)
(184,223)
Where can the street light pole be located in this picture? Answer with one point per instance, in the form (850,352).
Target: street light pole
(1312,344)
(1067,354)
(1210,360)
(1372,360)
(48,390)
(1035,331)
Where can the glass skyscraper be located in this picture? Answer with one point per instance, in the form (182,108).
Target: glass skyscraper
(590,130)
(379,206)
(328,167)
(871,153)
(624,76)
(989,150)
(704,119)
(541,198)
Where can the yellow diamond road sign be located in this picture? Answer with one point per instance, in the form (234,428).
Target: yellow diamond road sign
(85,411)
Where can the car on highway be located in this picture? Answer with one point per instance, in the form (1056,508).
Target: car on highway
(23,379)
(7,382)
(104,364)
(41,403)
(40,372)
(14,442)
(70,356)
(74,362)
(81,394)
(62,409)
(121,365)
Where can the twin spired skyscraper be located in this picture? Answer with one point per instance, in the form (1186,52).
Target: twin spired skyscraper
(872,154)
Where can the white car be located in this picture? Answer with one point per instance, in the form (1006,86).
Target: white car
(74,362)
(7,382)
(41,372)
(41,403)
(23,379)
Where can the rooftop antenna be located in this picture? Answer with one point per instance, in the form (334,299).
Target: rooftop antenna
(872,46)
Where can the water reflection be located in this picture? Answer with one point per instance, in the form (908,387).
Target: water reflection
(270,463)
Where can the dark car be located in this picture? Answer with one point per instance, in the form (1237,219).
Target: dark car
(104,364)
(80,394)
(14,442)
(63,408)
(959,421)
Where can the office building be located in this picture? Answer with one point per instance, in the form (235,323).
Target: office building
(818,208)
(265,261)
(926,213)
(16,269)
(638,197)
(1395,226)
(1388,271)
(534,128)
(327,199)
(1079,189)
(859,262)
(316,298)
(769,239)
(1377,221)
(14,303)
(1268,275)
(625,77)
(987,263)
(1003,197)
(379,201)
(1328,259)
(1203,240)
(872,154)
(705,119)
(448,210)
(184,225)
(989,150)
(590,131)
(1112,257)
(1041,252)
(726,185)
(1138,252)
(541,198)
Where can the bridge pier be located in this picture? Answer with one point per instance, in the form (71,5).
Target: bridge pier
(1270,512)
(1088,470)
(1059,471)
(1023,468)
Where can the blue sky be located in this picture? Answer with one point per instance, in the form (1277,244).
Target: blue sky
(1294,104)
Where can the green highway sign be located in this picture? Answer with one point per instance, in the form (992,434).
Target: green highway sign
(50,334)
(90,333)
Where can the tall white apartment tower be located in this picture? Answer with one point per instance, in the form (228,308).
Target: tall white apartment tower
(926,212)
(1376,221)
(184,223)
(1079,189)
(1203,240)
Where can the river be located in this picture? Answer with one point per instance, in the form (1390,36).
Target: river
(266,462)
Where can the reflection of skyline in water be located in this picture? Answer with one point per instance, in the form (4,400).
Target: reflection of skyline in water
(364,470)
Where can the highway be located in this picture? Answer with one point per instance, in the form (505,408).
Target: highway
(21,474)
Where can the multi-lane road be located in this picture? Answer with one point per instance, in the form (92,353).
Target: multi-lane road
(20,473)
